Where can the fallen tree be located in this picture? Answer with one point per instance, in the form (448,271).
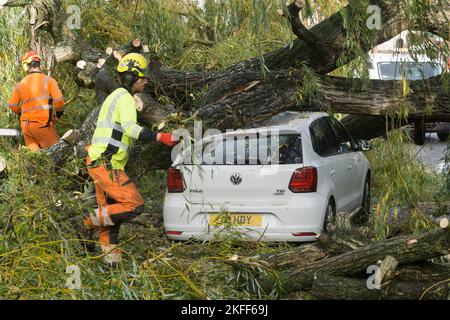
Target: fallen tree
(241,96)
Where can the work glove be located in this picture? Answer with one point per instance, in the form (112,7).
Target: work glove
(168,139)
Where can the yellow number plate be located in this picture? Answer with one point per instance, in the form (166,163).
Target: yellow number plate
(235,219)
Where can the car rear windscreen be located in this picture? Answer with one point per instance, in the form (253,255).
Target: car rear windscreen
(254,150)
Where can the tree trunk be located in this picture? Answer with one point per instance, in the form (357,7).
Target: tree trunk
(406,249)
(409,283)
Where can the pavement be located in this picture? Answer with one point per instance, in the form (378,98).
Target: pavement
(432,153)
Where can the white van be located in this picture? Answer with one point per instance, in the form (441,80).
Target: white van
(402,65)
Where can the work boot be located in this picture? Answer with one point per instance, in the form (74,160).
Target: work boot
(83,233)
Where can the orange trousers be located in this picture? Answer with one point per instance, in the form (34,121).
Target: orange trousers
(36,137)
(118,201)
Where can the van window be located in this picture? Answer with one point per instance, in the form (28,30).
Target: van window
(255,150)
(323,141)
(412,70)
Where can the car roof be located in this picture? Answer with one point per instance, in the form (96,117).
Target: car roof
(286,121)
(293,120)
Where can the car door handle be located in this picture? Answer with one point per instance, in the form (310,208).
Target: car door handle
(333,173)
(349,167)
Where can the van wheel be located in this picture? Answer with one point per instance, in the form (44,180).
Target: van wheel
(330,216)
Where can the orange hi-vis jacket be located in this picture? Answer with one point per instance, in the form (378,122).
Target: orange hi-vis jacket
(36,98)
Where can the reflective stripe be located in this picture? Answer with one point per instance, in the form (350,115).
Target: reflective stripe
(46,97)
(47,107)
(47,78)
(106,218)
(113,104)
(110,125)
(128,124)
(58,100)
(12,105)
(110,141)
(95,221)
(136,132)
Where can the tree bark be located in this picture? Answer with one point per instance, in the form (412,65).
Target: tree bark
(406,249)
(409,283)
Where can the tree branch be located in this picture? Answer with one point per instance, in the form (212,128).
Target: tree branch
(293,16)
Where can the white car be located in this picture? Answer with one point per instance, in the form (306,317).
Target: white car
(320,171)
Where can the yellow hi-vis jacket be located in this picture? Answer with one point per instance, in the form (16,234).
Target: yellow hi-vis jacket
(116,127)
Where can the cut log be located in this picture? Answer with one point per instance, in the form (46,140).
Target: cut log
(71,137)
(387,267)
(443,223)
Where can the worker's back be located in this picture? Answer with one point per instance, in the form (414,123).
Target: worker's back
(35,97)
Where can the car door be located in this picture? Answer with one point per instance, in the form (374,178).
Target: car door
(331,163)
(353,160)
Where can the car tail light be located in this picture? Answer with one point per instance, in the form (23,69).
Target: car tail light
(304,180)
(174,181)
(174,233)
(304,234)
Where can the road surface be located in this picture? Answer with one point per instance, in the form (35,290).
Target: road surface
(432,153)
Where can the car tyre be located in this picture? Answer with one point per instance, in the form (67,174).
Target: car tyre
(362,216)
(330,216)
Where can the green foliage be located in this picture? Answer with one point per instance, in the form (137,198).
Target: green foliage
(399,181)
(308,88)
(36,245)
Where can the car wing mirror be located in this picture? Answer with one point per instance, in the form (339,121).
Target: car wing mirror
(364,145)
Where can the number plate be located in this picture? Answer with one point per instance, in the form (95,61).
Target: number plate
(236,219)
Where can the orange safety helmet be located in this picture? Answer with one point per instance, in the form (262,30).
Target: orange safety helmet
(28,58)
